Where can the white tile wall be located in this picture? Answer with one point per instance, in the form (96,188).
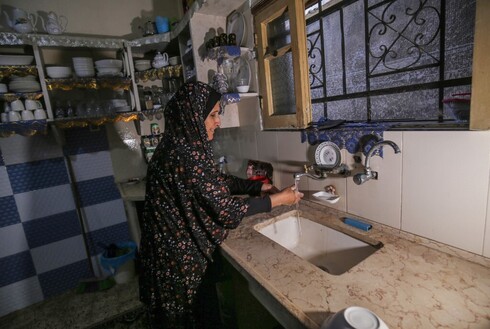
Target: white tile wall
(58,254)
(92,165)
(20,149)
(19,294)
(380,200)
(105,214)
(445,186)
(12,240)
(44,202)
(438,187)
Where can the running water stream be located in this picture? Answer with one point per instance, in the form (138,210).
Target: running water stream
(296,190)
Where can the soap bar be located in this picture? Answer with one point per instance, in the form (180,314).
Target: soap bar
(357,223)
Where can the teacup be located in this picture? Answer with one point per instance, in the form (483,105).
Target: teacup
(27,115)
(32,104)
(13,116)
(39,114)
(174,60)
(17,105)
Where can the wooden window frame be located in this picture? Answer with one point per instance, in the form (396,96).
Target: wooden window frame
(265,15)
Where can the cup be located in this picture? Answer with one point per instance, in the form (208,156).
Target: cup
(3,88)
(162,24)
(174,60)
(13,116)
(4,117)
(17,105)
(31,104)
(27,115)
(39,114)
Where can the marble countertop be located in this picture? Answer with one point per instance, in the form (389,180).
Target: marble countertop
(410,283)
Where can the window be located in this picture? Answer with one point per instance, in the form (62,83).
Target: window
(388,60)
(283,64)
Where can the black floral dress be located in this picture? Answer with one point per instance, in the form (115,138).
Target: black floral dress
(188,211)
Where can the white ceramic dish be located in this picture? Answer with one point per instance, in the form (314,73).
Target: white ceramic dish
(16,59)
(109,63)
(236,24)
(327,197)
(58,72)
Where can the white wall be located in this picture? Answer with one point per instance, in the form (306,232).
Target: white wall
(99,17)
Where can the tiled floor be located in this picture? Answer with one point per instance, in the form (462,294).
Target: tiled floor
(118,307)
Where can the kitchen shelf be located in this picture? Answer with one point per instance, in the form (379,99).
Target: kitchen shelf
(10,97)
(21,70)
(167,72)
(113,83)
(24,128)
(95,121)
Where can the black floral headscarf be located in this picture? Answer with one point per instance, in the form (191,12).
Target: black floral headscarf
(188,209)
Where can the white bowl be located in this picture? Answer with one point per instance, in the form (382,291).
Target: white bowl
(82,60)
(109,63)
(58,72)
(242,89)
(16,59)
(142,61)
(108,69)
(142,67)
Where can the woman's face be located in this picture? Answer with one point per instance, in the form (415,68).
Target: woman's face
(212,122)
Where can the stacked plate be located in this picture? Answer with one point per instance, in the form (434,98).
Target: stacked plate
(25,84)
(109,67)
(84,67)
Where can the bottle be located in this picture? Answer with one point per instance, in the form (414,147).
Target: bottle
(222,165)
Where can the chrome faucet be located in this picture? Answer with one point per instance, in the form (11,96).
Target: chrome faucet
(321,175)
(368,173)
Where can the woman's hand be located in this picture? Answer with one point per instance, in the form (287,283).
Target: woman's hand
(269,189)
(288,197)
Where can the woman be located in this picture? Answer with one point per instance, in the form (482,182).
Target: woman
(189,207)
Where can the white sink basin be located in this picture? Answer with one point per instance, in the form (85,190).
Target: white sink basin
(332,251)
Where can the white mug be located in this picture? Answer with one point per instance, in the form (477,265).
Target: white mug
(39,114)
(32,104)
(13,116)
(27,115)
(17,105)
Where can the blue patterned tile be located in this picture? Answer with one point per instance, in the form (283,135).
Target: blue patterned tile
(98,190)
(83,140)
(58,254)
(53,228)
(64,278)
(10,215)
(16,268)
(36,175)
(106,236)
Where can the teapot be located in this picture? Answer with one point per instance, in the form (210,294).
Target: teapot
(55,24)
(21,21)
(160,60)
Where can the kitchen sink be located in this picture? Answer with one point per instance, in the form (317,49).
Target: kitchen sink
(329,249)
